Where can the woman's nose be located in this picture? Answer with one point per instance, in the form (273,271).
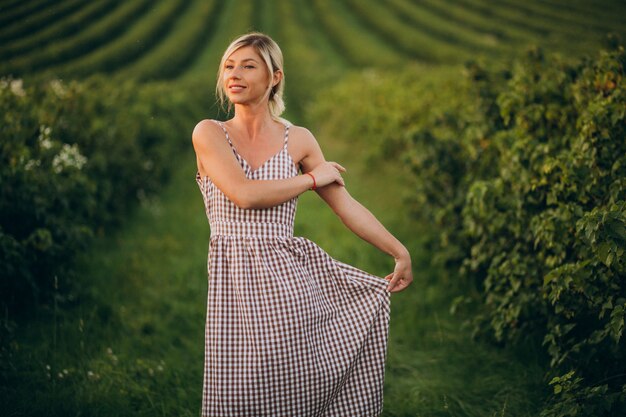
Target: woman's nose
(236,71)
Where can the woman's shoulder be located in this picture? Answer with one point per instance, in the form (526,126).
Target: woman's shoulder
(206,126)
(301,133)
(204,132)
(208,123)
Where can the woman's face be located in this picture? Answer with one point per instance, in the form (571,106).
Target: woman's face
(245,77)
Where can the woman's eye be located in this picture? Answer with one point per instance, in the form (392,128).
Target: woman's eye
(249,66)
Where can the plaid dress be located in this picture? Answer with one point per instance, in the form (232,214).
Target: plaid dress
(290,331)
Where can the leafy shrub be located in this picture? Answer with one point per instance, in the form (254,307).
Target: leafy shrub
(550,228)
(74,157)
(521,171)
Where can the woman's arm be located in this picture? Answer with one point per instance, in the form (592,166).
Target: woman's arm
(365,225)
(217,159)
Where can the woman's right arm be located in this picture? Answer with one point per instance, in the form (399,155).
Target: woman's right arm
(219,162)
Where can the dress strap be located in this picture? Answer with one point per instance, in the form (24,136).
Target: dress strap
(287,126)
(225,133)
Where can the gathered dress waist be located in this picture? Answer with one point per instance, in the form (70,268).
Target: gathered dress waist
(251,229)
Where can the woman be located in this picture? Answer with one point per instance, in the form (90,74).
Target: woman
(290,331)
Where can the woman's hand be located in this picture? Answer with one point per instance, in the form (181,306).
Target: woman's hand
(402,274)
(328,172)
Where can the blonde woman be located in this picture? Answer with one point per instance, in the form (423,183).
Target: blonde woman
(290,331)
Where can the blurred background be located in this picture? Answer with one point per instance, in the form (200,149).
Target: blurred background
(488,136)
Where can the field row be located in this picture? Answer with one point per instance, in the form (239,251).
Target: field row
(173,39)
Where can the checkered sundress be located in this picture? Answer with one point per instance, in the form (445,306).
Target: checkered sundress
(290,331)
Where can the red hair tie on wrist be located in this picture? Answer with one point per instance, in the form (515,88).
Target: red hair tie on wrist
(314,183)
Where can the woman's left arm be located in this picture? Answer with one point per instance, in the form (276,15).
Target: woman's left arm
(365,225)
(356,217)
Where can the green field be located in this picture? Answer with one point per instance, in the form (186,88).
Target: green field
(127,340)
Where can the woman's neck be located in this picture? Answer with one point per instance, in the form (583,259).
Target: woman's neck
(252,120)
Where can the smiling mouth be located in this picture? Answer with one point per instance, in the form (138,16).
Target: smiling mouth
(236,87)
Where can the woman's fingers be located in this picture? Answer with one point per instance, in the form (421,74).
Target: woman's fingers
(340,180)
(338,168)
(329,172)
(397,283)
(393,282)
(336,165)
(389,278)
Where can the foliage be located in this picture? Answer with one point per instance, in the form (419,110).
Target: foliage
(549,228)
(74,158)
(521,172)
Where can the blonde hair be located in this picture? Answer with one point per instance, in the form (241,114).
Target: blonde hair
(271,54)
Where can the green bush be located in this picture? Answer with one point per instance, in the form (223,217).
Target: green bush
(74,158)
(521,171)
(549,228)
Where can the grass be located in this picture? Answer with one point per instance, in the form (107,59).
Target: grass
(131,343)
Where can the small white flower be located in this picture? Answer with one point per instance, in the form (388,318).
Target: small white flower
(44,137)
(69,156)
(32,164)
(17,87)
(58,88)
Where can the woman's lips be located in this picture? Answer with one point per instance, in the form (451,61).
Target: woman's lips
(236,88)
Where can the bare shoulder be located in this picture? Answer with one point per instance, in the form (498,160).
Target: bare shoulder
(203,132)
(303,139)
(305,149)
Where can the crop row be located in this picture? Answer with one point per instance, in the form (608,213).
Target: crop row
(39,20)
(440,28)
(93,37)
(410,39)
(21,11)
(235,18)
(458,15)
(127,48)
(159,41)
(169,58)
(524,18)
(354,40)
(57,30)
